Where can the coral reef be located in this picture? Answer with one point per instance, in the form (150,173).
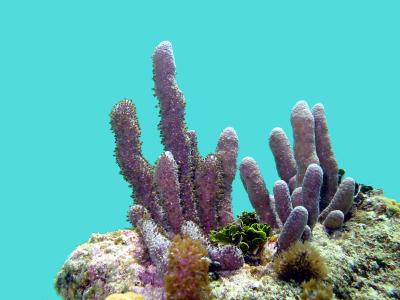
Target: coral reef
(184,226)
(114,262)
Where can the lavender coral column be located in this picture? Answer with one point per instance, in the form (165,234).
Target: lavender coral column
(209,186)
(293,228)
(135,169)
(342,200)
(227,150)
(156,243)
(257,191)
(166,181)
(282,200)
(311,192)
(305,153)
(325,154)
(172,124)
(284,159)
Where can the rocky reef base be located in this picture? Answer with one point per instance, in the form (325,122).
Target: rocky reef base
(363,259)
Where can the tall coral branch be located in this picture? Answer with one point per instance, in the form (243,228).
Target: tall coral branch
(257,191)
(311,192)
(284,159)
(304,139)
(342,200)
(283,202)
(134,167)
(293,228)
(166,181)
(325,154)
(227,151)
(172,124)
(209,186)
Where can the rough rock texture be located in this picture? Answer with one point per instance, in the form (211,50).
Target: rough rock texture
(363,256)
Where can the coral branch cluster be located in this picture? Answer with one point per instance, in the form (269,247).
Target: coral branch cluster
(183,193)
(309,179)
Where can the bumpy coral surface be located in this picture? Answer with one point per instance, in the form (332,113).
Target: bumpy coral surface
(363,259)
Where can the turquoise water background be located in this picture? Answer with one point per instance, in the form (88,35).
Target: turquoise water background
(64,64)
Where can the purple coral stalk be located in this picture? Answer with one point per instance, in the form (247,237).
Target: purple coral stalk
(325,154)
(172,124)
(227,151)
(293,228)
(284,159)
(342,200)
(135,169)
(282,200)
(194,232)
(305,153)
(257,191)
(209,186)
(334,220)
(229,257)
(311,192)
(156,243)
(166,181)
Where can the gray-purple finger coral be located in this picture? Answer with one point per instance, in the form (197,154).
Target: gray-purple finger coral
(284,159)
(304,139)
(342,200)
(172,124)
(227,151)
(293,228)
(283,202)
(325,154)
(185,198)
(209,188)
(311,189)
(166,181)
(258,193)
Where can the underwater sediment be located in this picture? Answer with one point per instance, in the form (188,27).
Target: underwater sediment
(317,236)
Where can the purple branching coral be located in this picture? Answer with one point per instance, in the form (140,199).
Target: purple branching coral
(258,193)
(293,228)
(311,189)
(326,157)
(188,195)
(166,181)
(227,151)
(172,125)
(182,193)
(304,139)
(309,173)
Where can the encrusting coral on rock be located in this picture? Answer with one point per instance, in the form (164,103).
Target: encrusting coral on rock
(186,243)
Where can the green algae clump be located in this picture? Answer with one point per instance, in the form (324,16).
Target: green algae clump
(247,234)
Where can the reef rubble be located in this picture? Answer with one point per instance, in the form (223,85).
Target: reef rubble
(363,260)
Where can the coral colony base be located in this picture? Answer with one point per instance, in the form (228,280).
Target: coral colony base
(316,237)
